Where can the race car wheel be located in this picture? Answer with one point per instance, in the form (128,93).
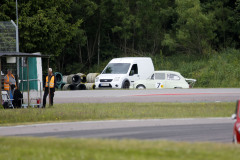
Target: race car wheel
(234,139)
(141,86)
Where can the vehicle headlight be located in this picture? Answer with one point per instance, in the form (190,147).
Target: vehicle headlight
(96,79)
(116,79)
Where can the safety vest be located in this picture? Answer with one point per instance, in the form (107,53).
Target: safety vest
(51,83)
(7,86)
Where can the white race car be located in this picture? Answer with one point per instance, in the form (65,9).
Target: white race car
(164,79)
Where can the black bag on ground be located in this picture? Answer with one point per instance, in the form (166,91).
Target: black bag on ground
(5,105)
(17,96)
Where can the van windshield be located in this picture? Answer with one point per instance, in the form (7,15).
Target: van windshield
(116,68)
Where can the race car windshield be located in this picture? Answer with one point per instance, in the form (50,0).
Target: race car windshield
(116,68)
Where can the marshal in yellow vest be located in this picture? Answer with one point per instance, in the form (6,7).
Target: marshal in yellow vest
(51,83)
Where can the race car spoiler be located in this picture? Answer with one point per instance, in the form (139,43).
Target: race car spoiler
(191,82)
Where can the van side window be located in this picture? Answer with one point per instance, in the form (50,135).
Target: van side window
(160,76)
(134,70)
(173,77)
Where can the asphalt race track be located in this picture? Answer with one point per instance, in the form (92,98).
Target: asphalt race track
(203,129)
(210,129)
(162,95)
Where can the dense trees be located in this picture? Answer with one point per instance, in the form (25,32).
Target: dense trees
(80,32)
(194,30)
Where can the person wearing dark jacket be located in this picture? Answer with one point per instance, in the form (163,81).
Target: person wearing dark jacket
(49,82)
(17,98)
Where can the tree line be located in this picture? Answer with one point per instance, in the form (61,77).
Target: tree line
(83,33)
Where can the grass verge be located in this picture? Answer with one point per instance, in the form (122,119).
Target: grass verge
(91,149)
(83,112)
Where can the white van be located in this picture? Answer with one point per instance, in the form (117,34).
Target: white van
(123,72)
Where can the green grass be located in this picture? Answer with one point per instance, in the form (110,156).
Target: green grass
(91,149)
(83,112)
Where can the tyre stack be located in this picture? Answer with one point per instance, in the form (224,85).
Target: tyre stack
(78,81)
(59,80)
(91,81)
(74,82)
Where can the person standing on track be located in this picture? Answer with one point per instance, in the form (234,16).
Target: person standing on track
(49,83)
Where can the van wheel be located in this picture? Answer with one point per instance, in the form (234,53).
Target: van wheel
(141,86)
(126,85)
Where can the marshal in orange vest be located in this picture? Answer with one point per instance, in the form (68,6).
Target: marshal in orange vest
(51,83)
(6,85)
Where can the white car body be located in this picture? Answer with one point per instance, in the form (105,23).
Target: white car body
(123,72)
(164,79)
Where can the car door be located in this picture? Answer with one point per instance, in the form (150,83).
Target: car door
(133,75)
(156,81)
(159,80)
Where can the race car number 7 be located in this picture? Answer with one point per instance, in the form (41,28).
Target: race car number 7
(158,85)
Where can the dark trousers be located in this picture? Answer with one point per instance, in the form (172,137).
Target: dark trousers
(46,94)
